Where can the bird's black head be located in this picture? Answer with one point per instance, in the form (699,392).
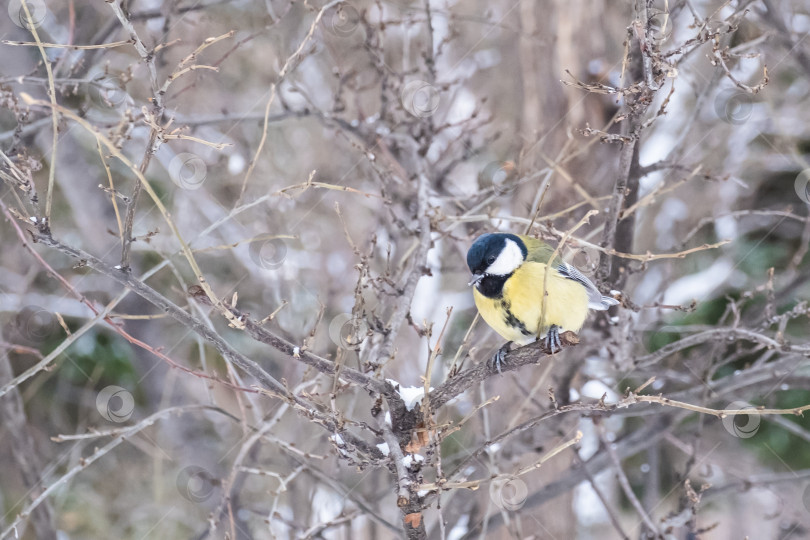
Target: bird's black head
(496,253)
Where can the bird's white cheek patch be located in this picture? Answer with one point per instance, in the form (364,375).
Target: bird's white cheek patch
(508,261)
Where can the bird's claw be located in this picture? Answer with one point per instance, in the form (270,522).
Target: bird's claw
(499,358)
(553,342)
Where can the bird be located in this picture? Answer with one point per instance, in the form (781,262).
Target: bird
(508,279)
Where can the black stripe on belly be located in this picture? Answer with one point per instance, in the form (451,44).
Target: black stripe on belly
(512,321)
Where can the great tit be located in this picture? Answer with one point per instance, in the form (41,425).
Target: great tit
(508,276)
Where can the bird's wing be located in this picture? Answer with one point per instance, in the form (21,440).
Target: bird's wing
(595,298)
(540,252)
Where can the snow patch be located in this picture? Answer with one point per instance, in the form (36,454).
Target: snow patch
(460,529)
(410,459)
(411,395)
(340,443)
(701,284)
(596,389)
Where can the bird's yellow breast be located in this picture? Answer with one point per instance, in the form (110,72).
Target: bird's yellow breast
(516,314)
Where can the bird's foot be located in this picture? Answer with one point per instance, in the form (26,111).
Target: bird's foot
(552,341)
(499,358)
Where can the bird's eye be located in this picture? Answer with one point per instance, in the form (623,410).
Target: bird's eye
(491,259)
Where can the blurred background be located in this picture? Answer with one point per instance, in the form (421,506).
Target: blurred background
(288,142)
